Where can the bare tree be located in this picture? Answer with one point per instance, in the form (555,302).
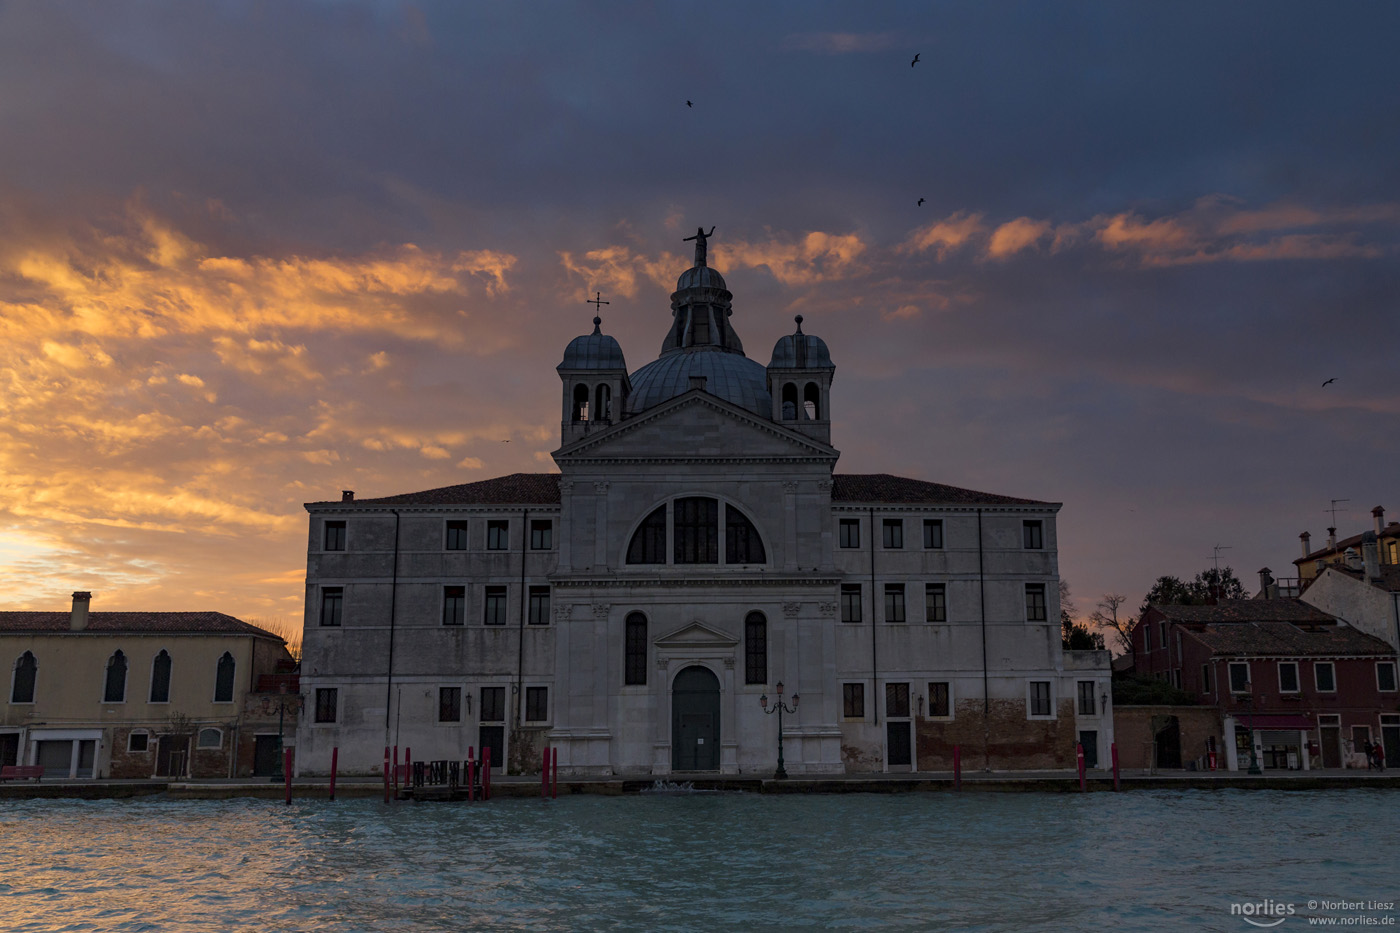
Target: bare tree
(1106,617)
(289,631)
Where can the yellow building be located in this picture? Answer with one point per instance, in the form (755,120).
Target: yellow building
(1336,552)
(141,694)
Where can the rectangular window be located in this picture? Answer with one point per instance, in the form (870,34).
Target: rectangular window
(755,649)
(1086,698)
(331,599)
(634,661)
(1162,630)
(1146,636)
(1326,676)
(495,606)
(541,535)
(137,741)
(539,605)
(1035,602)
(894,532)
(850,602)
(1239,677)
(897,700)
(939,702)
(1205,678)
(894,602)
(935,602)
(1288,677)
(497,535)
(1032,535)
(327,701)
(536,704)
(1040,697)
(493,704)
(853,701)
(449,704)
(457,534)
(933,532)
(1385,676)
(335,536)
(454,605)
(850,532)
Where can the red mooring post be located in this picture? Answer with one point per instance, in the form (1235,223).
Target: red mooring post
(395,773)
(407,766)
(1113,750)
(335,758)
(471,772)
(287,771)
(1079,753)
(386,774)
(554,785)
(957,767)
(544,774)
(485,773)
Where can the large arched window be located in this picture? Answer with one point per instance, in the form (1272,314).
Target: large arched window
(223,679)
(812,401)
(580,403)
(602,411)
(114,690)
(649,542)
(635,650)
(160,678)
(26,672)
(789,402)
(696,531)
(755,649)
(742,545)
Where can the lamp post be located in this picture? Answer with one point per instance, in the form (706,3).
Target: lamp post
(284,703)
(779,707)
(1253,758)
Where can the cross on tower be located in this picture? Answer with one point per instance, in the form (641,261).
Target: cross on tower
(597,302)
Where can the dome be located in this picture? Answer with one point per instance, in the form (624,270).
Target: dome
(729,376)
(593,351)
(700,277)
(801,351)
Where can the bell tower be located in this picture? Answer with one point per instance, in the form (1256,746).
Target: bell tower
(595,384)
(799,380)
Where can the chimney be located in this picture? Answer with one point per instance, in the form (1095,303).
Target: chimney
(1306,539)
(79,620)
(697,382)
(1332,538)
(1379,514)
(347,495)
(1319,565)
(1352,559)
(1266,580)
(1371,556)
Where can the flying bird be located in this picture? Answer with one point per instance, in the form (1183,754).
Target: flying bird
(689,104)
(921,202)
(1329,382)
(915,61)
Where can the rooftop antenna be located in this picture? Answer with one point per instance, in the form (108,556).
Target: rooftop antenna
(1216,558)
(1334,510)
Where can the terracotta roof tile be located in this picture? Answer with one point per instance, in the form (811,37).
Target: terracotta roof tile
(133,622)
(515,489)
(882,487)
(1288,609)
(1389,531)
(1283,639)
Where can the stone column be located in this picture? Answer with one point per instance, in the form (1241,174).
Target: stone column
(789,526)
(600,540)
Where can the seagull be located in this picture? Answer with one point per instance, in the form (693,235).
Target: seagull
(1329,382)
(506,441)
(915,61)
(689,104)
(921,202)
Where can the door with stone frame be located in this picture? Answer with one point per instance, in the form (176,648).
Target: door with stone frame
(898,728)
(695,723)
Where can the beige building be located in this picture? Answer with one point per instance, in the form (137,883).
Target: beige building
(140,694)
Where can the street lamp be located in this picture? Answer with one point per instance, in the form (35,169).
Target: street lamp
(779,707)
(284,703)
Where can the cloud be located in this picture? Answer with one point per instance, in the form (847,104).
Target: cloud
(942,237)
(843,43)
(1016,235)
(810,259)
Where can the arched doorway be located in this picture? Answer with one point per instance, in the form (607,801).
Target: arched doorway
(695,721)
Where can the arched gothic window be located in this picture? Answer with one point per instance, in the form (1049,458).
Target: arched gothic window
(114,690)
(602,411)
(26,672)
(649,543)
(223,679)
(789,402)
(160,678)
(635,650)
(812,401)
(580,403)
(755,649)
(742,545)
(696,531)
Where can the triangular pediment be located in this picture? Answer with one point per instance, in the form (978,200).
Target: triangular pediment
(696,426)
(696,635)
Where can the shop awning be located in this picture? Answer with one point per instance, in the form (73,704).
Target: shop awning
(1275,721)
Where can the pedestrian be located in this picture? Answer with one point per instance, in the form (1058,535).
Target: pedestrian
(1380,756)
(1370,751)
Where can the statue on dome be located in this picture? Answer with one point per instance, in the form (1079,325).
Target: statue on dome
(700,237)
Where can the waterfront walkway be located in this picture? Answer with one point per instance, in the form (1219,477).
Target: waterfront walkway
(529,785)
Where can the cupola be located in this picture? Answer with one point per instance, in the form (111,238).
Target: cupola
(799,381)
(595,383)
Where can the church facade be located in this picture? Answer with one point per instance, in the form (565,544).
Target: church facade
(695,561)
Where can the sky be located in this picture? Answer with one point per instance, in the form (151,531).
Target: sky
(252,254)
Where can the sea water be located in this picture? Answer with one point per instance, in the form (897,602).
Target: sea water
(1140,860)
